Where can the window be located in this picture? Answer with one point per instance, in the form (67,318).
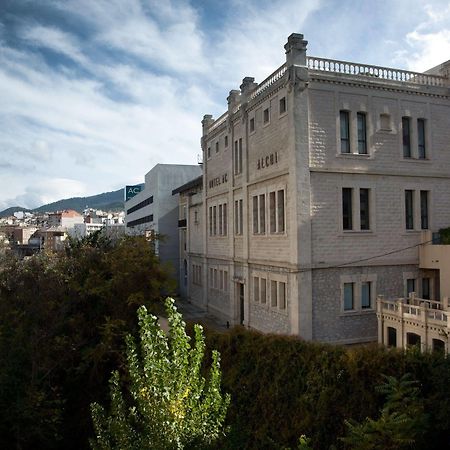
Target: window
(238,218)
(409,209)
(256,289)
(426,288)
(347,222)
(282,295)
(217,147)
(348,297)
(214,220)
(366,301)
(283,107)
(406,127)
(421,138)
(273,293)
(262,290)
(220,220)
(266,115)
(224,219)
(238,157)
(210,221)
(259,214)
(252,125)
(196,274)
(345,131)
(209,152)
(410,286)
(424,210)
(362,133)
(226,141)
(276,211)
(364,209)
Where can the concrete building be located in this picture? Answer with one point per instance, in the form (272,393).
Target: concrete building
(155,210)
(67,218)
(317,183)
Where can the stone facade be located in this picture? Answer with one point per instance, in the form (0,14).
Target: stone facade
(305,179)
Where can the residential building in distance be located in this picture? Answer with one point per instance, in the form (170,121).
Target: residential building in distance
(155,211)
(317,184)
(67,218)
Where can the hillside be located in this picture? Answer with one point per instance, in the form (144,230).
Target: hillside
(107,201)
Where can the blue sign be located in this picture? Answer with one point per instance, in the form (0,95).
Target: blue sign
(131,191)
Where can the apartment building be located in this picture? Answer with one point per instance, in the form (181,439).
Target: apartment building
(155,210)
(317,183)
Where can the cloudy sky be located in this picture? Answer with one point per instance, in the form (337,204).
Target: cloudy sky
(93,93)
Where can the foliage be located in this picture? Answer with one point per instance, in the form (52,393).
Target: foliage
(401,422)
(169,405)
(63,319)
(444,234)
(282,387)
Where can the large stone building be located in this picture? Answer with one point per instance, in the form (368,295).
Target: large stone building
(317,183)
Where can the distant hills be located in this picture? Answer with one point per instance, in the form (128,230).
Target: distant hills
(108,201)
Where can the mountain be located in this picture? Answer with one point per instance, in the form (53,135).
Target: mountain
(108,201)
(10,211)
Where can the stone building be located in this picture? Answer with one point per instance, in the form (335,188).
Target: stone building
(317,183)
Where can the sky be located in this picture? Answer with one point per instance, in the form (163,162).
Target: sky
(94,93)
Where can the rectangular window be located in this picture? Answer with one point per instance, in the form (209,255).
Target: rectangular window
(262,291)
(220,220)
(221,280)
(209,152)
(252,125)
(225,219)
(280,211)
(255,214)
(345,131)
(225,280)
(406,127)
(272,213)
(426,288)
(214,220)
(266,115)
(241,216)
(366,295)
(217,147)
(226,141)
(421,138)
(424,210)
(210,221)
(347,223)
(256,289)
(216,281)
(410,286)
(282,295)
(262,213)
(238,157)
(364,209)
(409,209)
(362,133)
(211,277)
(273,293)
(276,211)
(283,105)
(348,297)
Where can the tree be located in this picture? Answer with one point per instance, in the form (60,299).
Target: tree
(168,403)
(401,422)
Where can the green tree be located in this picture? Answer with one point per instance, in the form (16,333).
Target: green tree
(168,403)
(402,420)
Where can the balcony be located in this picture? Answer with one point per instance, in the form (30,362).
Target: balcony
(412,321)
(434,253)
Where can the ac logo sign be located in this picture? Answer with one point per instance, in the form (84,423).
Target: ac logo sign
(131,191)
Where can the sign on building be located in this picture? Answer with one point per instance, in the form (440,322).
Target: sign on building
(131,191)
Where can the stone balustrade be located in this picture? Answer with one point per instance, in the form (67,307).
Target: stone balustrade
(378,72)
